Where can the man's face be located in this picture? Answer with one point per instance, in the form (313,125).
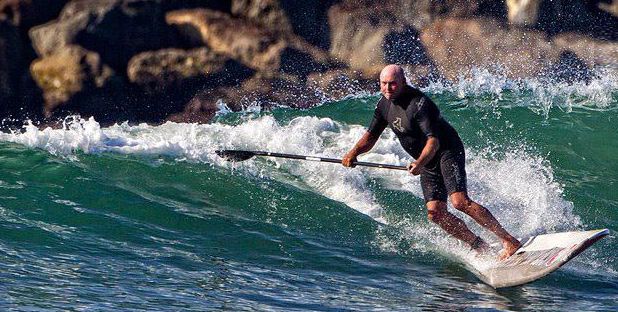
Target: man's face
(391,85)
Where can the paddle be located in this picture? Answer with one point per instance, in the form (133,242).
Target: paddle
(234,155)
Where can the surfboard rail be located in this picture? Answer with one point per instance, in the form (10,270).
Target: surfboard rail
(539,255)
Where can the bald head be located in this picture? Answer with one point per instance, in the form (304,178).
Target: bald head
(392,81)
(393,71)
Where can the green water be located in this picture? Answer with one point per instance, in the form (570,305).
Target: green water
(137,217)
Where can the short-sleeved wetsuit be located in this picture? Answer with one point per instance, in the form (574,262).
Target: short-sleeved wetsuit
(414,117)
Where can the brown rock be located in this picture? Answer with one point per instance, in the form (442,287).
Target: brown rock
(158,70)
(70,71)
(307,19)
(48,38)
(253,46)
(611,8)
(523,12)
(457,45)
(368,38)
(266,13)
(166,79)
(422,75)
(339,83)
(115,29)
(265,92)
(592,51)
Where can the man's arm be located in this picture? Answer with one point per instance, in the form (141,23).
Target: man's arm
(430,149)
(364,145)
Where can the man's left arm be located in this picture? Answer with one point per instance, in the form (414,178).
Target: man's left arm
(430,149)
(426,116)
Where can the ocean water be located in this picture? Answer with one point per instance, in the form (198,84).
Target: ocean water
(141,217)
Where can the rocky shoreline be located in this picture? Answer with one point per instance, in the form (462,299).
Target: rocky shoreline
(159,60)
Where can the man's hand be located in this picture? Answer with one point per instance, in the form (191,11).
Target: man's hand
(348,160)
(414,169)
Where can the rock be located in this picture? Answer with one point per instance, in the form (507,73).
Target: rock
(458,45)
(162,69)
(115,29)
(611,8)
(166,79)
(47,39)
(568,69)
(67,73)
(523,12)
(339,83)
(27,13)
(593,52)
(260,91)
(268,14)
(368,39)
(586,17)
(217,5)
(10,65)
(307,19)
(277,91)
(422,75)
(203,106)
(251,45)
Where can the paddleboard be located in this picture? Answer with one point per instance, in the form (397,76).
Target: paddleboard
(538,256)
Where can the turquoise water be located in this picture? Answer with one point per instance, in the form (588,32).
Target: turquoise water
(138,217)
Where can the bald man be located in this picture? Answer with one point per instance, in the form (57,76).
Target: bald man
(439,154)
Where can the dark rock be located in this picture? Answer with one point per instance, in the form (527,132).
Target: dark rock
(249,44)
(593,52)
(27,13)
(458,45)
(67,73)
(568,69)
(264,92)
(422,75)
(268,91)
(217,5)
(168,78)
(307,19)
(116,29)
(585,17)
(339,83)
(162,69)
(10,66)
(367,39)
(268,14)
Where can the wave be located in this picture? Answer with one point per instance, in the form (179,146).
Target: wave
(515,183)
(540,94)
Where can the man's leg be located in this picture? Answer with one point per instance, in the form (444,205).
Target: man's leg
(482,216)
(437,212)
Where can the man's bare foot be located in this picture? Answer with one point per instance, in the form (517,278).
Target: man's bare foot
(509,249)
(480,246)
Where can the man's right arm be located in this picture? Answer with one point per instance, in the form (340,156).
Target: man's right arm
(364,145)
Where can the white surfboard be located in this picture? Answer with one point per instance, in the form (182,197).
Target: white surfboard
(539,256)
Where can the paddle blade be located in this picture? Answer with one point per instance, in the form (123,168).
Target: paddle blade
(235,155)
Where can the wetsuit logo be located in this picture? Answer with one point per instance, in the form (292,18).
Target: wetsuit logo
(397,124)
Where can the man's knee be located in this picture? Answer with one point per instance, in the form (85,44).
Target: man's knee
(461,202)
(436,211)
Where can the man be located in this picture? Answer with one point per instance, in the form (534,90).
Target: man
(439,154)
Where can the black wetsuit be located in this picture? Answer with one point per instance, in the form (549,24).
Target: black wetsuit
(414,117)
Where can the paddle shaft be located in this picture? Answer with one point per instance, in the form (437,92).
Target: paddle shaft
(330,160)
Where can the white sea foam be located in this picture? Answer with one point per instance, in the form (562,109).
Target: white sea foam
(518,187)
(538,94)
